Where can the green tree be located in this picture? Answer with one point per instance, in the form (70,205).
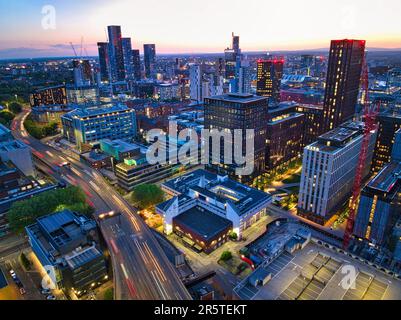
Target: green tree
(147,195)
(226,255)
(6,117)
(109,294)
(24,213)
(15,107)
(25,261)
(233,235)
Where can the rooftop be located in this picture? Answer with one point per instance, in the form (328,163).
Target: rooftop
(203,222)
(238,98)
(387,178)
(96,111)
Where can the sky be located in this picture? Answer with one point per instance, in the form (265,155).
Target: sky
(27,27)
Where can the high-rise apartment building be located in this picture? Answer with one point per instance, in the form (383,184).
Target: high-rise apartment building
(195,83)
(116,54)
(128,59)
(103,49)
(328,171)
(136,64)
(149,51)
(342,83)
(269,75)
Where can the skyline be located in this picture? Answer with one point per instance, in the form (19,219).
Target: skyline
(193,28)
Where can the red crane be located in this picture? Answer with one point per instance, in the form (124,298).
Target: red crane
(370,112)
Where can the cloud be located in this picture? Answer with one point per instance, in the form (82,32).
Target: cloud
(21,52)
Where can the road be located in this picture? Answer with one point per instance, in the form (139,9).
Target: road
(141,268)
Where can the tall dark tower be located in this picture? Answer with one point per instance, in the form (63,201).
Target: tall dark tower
(116,53)
(342,84)
(136,64)
(269,75)
(103,48)
(149,51)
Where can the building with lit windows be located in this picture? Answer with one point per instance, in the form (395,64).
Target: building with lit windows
(56,95)
(84,126)
(328,171)
(116,54)
(380,201)
(67,244)
(284,135)
(269,74)
(136,64)
(209,206)
(313,122)
(238,111)
(389,122)
(103,50)
(128,58)
(342,83)
(149,53)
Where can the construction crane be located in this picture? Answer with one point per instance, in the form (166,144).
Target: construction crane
(370,112)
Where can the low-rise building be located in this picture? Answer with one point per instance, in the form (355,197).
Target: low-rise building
(67,245)
(204,193)
(84,126)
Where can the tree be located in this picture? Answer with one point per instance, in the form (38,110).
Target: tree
(147,195)
(25,261)
(6,117)
(226,255)
(15,107)
(109,294)
(233,235)
(24,213)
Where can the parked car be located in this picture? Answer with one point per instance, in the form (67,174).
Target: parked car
(45,291)
(22,291)
(51,297)
(13,274)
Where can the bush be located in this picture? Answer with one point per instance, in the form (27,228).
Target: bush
(109,294)
(6,117)
(38,131)
(226,255)
(233,235)
(147,195)
(15,107)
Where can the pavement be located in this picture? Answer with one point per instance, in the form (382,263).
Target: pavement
(140,267)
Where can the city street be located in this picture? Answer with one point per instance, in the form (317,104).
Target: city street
(141,269)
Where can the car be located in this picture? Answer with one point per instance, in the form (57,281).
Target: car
(13,274)
(45,291)
(22,291)
(51,297)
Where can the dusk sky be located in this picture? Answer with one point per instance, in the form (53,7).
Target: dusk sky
(189,26)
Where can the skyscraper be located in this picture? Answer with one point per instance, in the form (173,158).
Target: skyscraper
(149,51)
(228,112)
(116,54)
(232,58)
(269,74)
(82,72)
(342,84)
(103,48)
(195,83)
(128,61)
(244,77)
(136,64)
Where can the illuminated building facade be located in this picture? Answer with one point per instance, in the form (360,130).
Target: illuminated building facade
(238,111)
(313,122)
(83,126)
(328,171)
(202,194)
(285,129)
(103,49)
(116,54)
(380,201)
(269,74)
(389,122)
(56,95)
(128,59)
(342,83)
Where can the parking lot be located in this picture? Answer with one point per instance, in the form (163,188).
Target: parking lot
(275,267)
(316,273)
(312,280)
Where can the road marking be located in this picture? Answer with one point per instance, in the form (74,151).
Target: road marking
(124,270)
(94,186)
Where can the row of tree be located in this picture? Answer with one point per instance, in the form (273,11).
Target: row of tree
(24,213)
